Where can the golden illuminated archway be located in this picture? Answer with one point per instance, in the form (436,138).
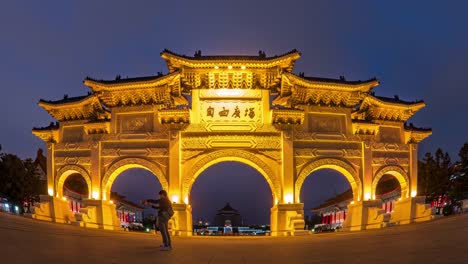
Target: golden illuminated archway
(130,163)
(341,166)
(210,109)
(396,172)
(65,171)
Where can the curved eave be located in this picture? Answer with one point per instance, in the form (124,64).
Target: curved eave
(81,109)
(417,135)
(97,86)
(57,105)
(175,61)
(400,106)
(47,135)
(349,87)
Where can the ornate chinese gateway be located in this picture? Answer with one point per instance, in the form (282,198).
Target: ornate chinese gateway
(210,109)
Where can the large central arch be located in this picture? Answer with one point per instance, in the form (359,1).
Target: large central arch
(329,163)
(241,156)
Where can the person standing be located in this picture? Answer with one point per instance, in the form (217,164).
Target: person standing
(165,212)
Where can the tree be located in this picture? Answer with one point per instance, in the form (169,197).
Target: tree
(463,153)
(434,174)
(19,183)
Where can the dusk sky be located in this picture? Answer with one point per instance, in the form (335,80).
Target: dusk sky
(416,49)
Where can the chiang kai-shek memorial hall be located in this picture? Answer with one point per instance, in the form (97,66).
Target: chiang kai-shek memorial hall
(248,109)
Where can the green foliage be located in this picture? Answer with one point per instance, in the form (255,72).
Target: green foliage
(434,174)
(19,184)
(438,176)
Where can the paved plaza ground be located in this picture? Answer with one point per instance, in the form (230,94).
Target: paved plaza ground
(29,241)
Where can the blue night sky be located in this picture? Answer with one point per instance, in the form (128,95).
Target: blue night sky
(417,49)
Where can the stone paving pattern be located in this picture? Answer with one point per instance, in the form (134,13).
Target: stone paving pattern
(25,240)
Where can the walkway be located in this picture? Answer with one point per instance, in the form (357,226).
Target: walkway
(29,241)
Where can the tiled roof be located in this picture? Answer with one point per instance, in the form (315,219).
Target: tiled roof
(413,128)
(229,57)
(331,80)
(51,126)
(397,100)
(346,195)
(227,207)
(66,99)
(127,80)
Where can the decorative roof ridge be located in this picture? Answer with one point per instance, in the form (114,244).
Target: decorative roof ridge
(67,100)
(198,56)
(51,126)
(342,80)
(118,79)
(413,128)
(314,80)
(396,100)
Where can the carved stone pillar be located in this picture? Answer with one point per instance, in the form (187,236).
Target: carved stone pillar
(413,169)
(50,169)
(95,173)
(174,172)
(367,171)
(287,169)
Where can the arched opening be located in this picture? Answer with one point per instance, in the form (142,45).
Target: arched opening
(231,198)
(127,190)
(326,194)
(388,190)
(75,189)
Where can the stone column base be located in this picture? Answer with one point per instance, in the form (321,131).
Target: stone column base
(410,210)
(365,215)
(52,209)
(288,220)
(181,223)
(98,214)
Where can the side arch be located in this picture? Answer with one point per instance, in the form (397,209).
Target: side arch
(398,173)
(241,156)
(124,164)
(328,163)
(65,171)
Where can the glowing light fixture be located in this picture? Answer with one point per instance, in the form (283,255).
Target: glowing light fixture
(352,202)
(50,191)
(413,193)
(367,196)
(186,199)
(216,67)
(175,198)
(111,201)
(95,195)
(288,198)
(243,67)
(64,198)
(230,67)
